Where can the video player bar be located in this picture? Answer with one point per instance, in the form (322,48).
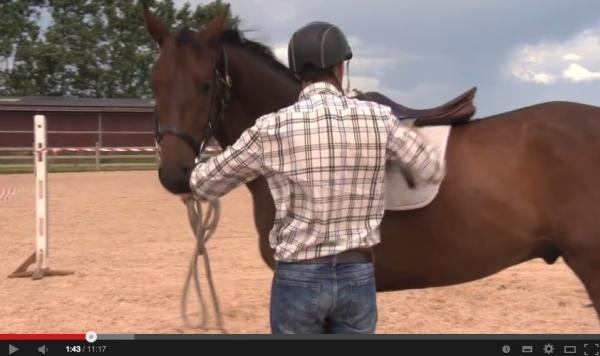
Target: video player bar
(188,344)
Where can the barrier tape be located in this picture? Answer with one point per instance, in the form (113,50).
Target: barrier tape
(9,193)
(55,150)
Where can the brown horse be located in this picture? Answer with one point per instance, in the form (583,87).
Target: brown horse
(520,185)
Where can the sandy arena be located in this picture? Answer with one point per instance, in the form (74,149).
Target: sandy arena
(129,243)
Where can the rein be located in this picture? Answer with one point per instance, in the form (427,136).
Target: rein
(203,228)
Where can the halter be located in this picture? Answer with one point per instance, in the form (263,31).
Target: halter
(222,86)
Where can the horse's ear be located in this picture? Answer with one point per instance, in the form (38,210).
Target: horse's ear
(216,25)
(157,29)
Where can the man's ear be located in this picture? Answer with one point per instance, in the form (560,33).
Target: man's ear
(339,71)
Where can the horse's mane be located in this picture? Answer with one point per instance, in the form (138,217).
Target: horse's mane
(235,37)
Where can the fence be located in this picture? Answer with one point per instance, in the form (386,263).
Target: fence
(98,158)
(21,159)
(40,165)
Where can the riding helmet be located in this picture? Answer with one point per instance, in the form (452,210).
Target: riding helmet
(319,44)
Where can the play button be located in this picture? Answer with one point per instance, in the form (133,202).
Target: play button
(12,349)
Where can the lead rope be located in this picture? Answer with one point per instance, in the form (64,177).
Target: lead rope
(203,229)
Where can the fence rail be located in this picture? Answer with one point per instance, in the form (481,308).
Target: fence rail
(21,160)
(96,158)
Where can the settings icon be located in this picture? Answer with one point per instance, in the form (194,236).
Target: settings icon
(548,349)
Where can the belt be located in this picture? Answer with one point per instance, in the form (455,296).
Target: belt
(357,255)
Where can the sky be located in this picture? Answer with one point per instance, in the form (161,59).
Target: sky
(422,53)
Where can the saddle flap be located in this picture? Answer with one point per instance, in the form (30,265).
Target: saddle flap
(399,193)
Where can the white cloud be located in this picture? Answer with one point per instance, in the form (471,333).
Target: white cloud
(281,52)
(536,77)
(354,41)
(273,12)
(423,95)
(365,83)
(572,57)
(363,63)
(575,60)
(367,61)
(578,73)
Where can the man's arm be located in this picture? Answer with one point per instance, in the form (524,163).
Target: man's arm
(239,163)
(406,145)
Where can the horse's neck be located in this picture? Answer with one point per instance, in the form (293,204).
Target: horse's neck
(257,89)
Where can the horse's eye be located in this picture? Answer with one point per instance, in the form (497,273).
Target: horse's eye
(205,88)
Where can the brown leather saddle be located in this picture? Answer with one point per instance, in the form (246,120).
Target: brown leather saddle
(455,112)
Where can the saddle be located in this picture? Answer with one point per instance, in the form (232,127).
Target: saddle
(455,112)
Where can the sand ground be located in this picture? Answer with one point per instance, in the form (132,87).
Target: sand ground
(129,243)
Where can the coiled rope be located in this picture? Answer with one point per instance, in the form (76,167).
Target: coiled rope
(203,228)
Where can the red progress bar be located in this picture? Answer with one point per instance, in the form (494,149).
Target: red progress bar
(43,337)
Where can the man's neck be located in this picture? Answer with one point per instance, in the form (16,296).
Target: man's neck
(330,81)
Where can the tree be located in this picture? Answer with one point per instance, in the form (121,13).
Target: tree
(19,31)
(95,48)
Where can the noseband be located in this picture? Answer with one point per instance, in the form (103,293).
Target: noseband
(222,86)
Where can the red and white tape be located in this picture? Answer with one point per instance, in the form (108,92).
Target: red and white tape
(8,193)
(96,149)
(55,150)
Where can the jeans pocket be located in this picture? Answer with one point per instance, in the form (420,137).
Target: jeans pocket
(294,306)
(363,304)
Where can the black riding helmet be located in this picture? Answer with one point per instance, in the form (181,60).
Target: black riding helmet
(319,44)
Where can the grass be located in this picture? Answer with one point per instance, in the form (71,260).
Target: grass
(12,163)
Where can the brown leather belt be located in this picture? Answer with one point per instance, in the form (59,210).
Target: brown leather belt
(357,255)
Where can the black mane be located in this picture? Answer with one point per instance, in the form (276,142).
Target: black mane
(234,37)
(187,37)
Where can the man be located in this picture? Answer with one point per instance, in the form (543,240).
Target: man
(324,159)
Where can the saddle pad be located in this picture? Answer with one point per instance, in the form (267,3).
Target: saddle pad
(398,195)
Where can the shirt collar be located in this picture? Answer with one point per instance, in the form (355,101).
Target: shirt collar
(319,88)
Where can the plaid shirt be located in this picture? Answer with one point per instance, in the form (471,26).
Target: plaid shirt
(324,160)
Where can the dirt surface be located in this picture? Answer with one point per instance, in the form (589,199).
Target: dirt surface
(129,243)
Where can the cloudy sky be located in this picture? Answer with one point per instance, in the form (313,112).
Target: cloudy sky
(424,52)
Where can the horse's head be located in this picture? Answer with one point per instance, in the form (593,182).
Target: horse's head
(189,83)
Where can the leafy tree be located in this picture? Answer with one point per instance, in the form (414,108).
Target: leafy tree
(91,48)
(19,30)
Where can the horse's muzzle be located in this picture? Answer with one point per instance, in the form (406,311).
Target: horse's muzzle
(176,181)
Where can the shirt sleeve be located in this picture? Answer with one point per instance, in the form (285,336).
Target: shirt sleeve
(406,145)
(239,163)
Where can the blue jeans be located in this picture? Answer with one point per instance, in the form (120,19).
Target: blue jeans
(323,298)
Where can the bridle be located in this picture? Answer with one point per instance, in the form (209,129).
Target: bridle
(221,95)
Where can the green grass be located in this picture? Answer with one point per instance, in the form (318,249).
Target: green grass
(12,163)
(79,163)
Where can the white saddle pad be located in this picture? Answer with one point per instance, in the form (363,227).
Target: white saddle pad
(398,195)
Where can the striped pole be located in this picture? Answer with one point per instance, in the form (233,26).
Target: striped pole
(40,255)
(41,195)
(40,152)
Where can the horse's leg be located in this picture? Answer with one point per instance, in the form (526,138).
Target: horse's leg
(587,267)
(581,251)
(568,192)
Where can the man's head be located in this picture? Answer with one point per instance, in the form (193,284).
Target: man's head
(317,52)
